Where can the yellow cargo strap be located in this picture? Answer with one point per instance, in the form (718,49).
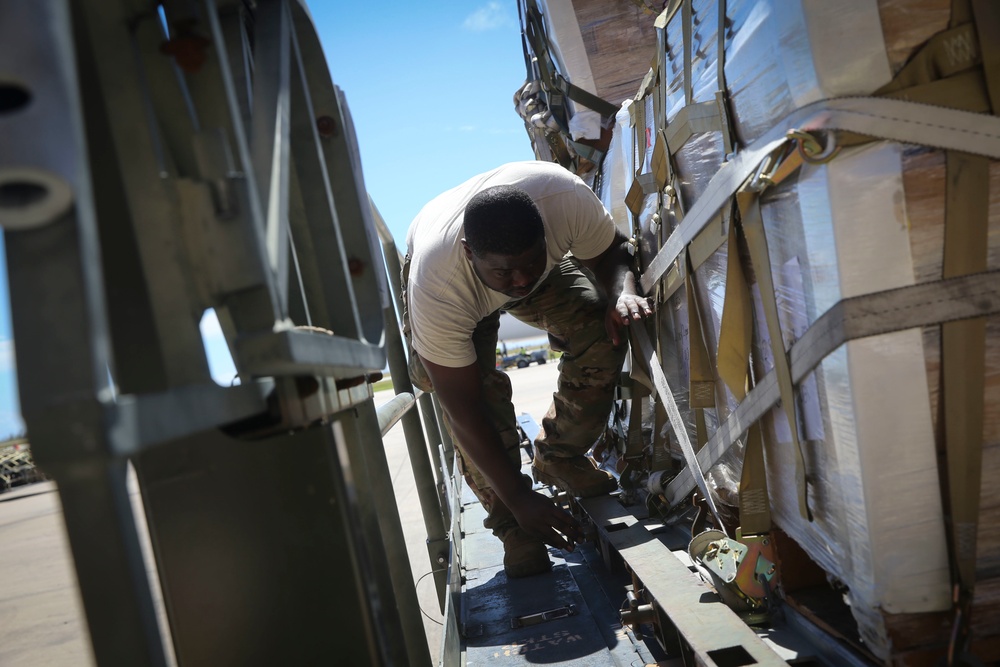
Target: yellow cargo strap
(736,330)
(960,68)
(926,304)
(643,183)
(753,229)
(661,161)
(667,14)
(701,375)
(963,360)
(755,507)
(632,445)
(947,54)
(987,13)
(895,120)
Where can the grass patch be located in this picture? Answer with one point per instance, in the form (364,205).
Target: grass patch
(383,384)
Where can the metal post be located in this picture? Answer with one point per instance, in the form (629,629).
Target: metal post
(381,504)
(425,402)
(423,471)
(446,441)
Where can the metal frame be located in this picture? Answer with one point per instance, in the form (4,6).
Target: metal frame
(171,158)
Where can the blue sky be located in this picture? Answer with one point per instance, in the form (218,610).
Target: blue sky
(430,87)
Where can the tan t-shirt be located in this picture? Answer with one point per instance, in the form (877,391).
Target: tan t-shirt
(445,297)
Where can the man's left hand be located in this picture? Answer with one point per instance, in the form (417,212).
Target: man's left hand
(629,308)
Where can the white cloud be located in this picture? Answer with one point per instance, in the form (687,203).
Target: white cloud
(6,356)
(489,17)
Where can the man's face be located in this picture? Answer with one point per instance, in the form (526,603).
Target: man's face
(512,275)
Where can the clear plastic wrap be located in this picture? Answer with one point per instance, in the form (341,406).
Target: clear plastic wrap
(617,171)
(780,56)
(704,50)
(870,220)
(840,230)
(674,68)
(864,421)
(879,453)
(697,162)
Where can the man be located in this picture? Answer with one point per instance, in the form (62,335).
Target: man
(532,239)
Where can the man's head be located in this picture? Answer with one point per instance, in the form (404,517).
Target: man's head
(505,240)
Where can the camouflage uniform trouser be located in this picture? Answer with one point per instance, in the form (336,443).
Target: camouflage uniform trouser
(569,306)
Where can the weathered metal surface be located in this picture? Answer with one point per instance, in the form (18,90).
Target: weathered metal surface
(711,630)
(157,201)
(493,603)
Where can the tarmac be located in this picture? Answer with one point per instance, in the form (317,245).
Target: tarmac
(41,618)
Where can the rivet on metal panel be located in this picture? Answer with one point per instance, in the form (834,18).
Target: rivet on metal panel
(326,126)
(13,97)
(31,198)
(187,48)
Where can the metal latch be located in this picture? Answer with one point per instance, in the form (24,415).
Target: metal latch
(543,616)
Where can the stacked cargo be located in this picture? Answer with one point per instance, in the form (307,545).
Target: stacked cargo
(824,258)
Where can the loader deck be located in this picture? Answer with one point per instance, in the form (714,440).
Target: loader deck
(572,615)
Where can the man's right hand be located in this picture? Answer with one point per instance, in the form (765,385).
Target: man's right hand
(540,516)
(460,392)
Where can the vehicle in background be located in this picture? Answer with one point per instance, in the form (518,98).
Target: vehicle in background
(523,359)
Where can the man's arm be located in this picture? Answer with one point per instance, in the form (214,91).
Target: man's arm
(460,391)
(613,270)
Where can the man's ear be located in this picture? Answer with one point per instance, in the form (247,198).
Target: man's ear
(468,249)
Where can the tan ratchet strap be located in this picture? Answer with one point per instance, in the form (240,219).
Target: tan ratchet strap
(736,329)
(701,374)
(753,229)
(963,362)
(755,507)
(896,120)
(947,300)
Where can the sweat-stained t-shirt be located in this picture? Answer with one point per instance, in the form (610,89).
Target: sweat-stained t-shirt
(445,298)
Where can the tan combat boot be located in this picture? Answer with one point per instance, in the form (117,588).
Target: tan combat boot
(578,476)
(523,555)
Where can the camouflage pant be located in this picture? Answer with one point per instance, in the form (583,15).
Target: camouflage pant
(571,309)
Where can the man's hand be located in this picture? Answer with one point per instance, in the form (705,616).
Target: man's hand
(460,392)
(613,270)
(541,517)
(629,308)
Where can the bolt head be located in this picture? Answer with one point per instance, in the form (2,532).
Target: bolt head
(326,126)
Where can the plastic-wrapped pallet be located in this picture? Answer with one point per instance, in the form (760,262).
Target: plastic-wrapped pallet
(582,62)
(871,219)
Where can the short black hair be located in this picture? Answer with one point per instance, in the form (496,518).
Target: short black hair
(502,220)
